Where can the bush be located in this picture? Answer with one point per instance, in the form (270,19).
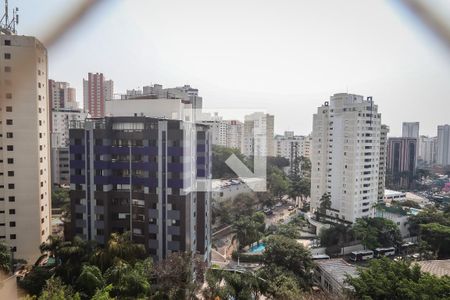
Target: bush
(246,257)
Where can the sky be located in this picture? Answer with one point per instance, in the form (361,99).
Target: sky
(285,56)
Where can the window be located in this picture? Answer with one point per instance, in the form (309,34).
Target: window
(8,96)
(12,224)
(10,173)
(9,108)
(11,186)
(10,161)
(7,69)
(12,236)
(12,211)
(10,148)
(7,42)
(9,122)
(12,199)
(9,135)
(7,56)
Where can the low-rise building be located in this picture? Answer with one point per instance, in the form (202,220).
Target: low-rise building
(228,189)
(330,274)
(390,195)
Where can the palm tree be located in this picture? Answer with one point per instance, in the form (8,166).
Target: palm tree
(119,248)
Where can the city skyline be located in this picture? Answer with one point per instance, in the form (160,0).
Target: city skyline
(275,62)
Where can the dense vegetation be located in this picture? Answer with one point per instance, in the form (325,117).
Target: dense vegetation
(120,270)
(433,227)
(388,279)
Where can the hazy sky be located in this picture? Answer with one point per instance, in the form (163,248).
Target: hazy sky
(285,56)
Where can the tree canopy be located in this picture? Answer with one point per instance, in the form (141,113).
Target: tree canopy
(377,232)
(388,279)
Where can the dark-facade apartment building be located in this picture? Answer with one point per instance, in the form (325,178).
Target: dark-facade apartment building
(158,165)
(401,160)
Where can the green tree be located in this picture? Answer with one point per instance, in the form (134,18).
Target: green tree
(89,281)
(337,234)
(278,184)
(103,294)
(35,280)
(5,258)
(175,277)
(119,247)
(436,235)
(219,168)
(129,282)
(388,279)
(284,286)
(249,229)
(377,232)
(55,289)
(289,255)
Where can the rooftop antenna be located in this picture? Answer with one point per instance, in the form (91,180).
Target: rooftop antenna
(8,26)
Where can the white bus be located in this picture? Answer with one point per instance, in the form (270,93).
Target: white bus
(320,256)
(379,252)
(361,255)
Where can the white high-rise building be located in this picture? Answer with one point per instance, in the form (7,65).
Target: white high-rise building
(61,120)
(226,133)
(345,156)
(383,162)
(410,130)
(443,145)
(427,150)
(289,145)
(258,135)
(25,190)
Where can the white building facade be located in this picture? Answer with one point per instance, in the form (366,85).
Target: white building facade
(443,145)
(258,135)
(60,125)
(345,156)
(427,150)
(25,188)
(410,130)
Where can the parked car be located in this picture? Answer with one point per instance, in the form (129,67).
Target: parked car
(279,204)
(290,208)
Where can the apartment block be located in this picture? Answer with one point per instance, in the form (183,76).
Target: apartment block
(443,145)
(383,161)
(61,95)
(141,174)
(97,90)
(410,130)
(290,146)
(25,192)
(427,150)
(60,123)
(258,135)
(401,160)
(345,156)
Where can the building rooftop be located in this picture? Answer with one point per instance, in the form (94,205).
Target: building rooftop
(338,269)
(435,267)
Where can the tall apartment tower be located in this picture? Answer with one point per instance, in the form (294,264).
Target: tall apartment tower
(96,90)
(383,161)
(258,135)
(148,168)
(25,145)
(401,160)
(410,130)
(61,95)
(427,150)
(345,156)
(443,145)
